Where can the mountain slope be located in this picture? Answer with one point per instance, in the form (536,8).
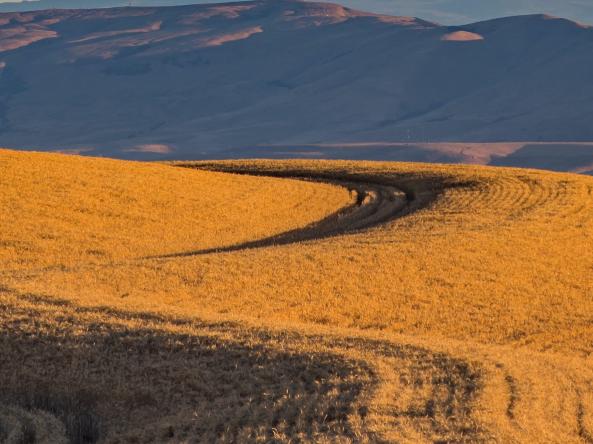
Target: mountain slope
(192,81)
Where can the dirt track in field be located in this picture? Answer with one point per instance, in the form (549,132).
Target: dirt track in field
(374,204)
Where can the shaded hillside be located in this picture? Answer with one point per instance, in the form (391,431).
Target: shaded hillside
(195,81)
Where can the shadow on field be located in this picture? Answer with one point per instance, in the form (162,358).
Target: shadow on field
(103,374)
(96,374)
(375,204)
(380,199)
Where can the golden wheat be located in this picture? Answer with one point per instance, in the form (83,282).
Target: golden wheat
(60,211)
(467,319)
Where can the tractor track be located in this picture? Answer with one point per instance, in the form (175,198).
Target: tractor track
(374,205)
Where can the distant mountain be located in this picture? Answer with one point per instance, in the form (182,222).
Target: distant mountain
(202,80)
(452,12)
(38,5)
(457,12)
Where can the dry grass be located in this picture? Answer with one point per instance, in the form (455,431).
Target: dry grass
(63,211)
(467,320)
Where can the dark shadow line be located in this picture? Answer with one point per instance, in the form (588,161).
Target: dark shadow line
(376,204)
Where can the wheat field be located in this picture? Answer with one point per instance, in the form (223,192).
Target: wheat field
(293,301)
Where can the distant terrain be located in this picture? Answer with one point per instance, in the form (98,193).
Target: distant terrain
(560,156)
(293,79)
(451,12)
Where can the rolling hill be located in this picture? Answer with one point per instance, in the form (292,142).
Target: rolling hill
(448,304)
(210,81)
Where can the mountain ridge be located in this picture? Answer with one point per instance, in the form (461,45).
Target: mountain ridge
(446,12)
(199,80)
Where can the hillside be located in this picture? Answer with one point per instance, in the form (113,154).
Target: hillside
(94,211)
(206,81)
(459,311)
